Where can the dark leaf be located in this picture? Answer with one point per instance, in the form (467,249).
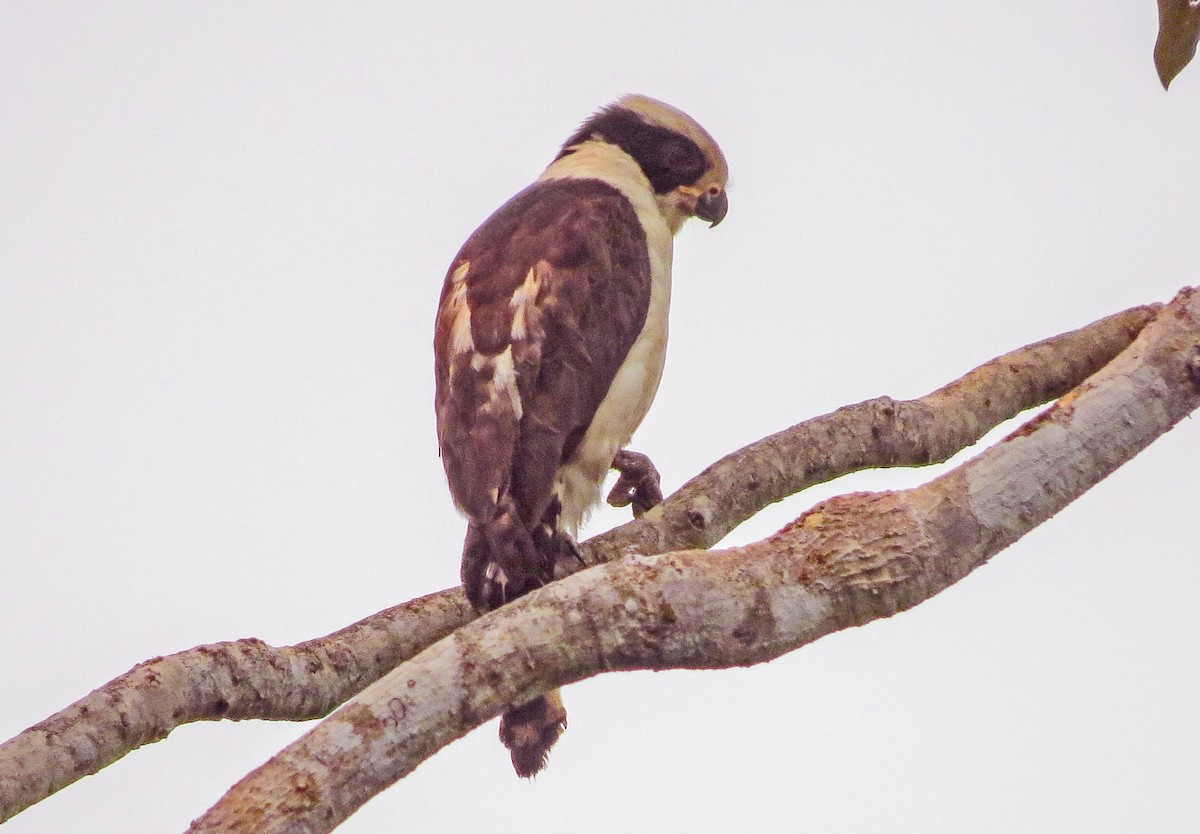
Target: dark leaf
(1178,30)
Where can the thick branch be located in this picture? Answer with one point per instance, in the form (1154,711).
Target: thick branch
(249,679)
(236,680)
(848,561)
(876,433)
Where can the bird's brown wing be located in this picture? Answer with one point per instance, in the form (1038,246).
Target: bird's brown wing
(539,310)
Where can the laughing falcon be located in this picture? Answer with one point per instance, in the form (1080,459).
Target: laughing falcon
(549,345)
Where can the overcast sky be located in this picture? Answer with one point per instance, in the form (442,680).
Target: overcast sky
(223,229)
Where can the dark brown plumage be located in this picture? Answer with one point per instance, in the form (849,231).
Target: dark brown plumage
(581,242)
(549,345)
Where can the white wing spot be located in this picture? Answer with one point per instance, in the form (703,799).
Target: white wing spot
(504,381)
(523,301)
(503,394)
(460,312)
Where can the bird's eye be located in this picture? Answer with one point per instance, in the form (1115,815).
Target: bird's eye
(714,190)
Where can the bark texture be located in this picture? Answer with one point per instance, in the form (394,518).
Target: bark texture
(877,433)
(846,562)
(232,680)
(249,679)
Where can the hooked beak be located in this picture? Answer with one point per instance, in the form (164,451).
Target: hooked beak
(712,207)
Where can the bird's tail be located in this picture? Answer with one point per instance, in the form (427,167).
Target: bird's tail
(530,730)
(501,562)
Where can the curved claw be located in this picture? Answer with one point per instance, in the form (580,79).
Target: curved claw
(639,483)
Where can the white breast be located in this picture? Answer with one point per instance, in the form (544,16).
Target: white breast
(579,482)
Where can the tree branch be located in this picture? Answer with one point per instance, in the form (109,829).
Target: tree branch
(250,679)
(846,562)
(881,432)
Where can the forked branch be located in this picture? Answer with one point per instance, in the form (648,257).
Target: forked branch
(249,679)
(846,562)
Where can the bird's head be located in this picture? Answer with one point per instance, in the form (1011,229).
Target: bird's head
(682,162)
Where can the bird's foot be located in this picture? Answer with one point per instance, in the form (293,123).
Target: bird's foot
(639,483)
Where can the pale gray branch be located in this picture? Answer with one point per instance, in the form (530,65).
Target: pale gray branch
(249,679)
(846,562)
(877,433)
(236,680)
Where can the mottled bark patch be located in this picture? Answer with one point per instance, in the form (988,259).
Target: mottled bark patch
(759,623)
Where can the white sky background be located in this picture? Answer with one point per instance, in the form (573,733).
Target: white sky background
(223,229)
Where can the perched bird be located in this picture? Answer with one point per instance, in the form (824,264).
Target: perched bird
(549,345)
